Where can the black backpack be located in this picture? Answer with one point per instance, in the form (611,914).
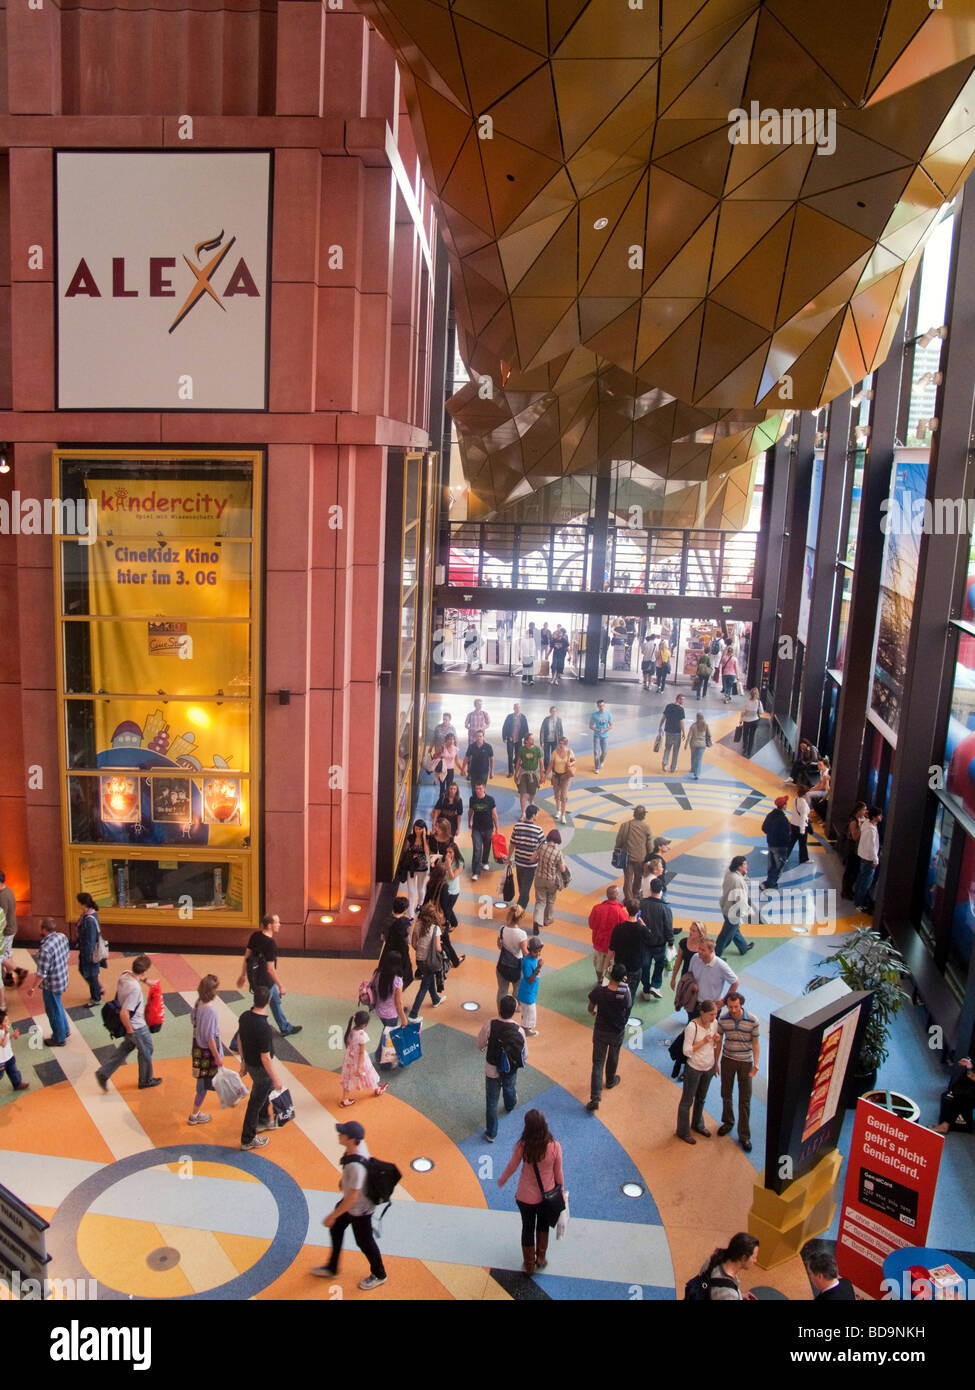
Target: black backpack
(255,968)
(698,1289)
(676,1053)
(381,1179)
(505,1049)
(112,1018)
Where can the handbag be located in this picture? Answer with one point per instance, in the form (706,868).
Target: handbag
(619,857)
(100,954)
(406,1041)
(433,962)
(509,965)
(282,1106)
(508,889)
(738,732)
(566,875)
(553,1201)
(656,743)
(427,763)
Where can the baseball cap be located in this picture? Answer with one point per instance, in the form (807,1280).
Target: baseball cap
(781,801)
(352,1130)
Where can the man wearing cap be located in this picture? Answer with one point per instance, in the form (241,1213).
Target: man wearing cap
(778,837)
(355,1209)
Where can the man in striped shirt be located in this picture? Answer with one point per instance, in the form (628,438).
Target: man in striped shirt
(52,976)
(524,840)
(738,1056)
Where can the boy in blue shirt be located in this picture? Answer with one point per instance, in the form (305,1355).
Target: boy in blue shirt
(531,968)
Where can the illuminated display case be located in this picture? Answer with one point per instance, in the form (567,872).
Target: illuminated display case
(158,657)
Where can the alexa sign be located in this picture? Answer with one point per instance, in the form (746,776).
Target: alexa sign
(163,281)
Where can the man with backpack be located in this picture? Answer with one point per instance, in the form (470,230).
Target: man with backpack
(355,1209)
(611,1005)
(503,1043)
(132,1017)
(260,968)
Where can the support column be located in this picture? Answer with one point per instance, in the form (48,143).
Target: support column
(942,570)
(768,574)
(824,565)
(851,716)
(794,560)
(597,570)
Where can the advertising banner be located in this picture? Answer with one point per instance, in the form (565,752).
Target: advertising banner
(891,1177)
(162,280)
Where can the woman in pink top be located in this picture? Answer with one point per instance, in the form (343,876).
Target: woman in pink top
(541,1160)
(728,667)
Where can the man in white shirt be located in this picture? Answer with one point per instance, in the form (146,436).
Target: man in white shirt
(715,977)
(868,852)
(799,820)
(701,1044)
(355,1209)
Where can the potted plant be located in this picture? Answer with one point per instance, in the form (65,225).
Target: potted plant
(868,960)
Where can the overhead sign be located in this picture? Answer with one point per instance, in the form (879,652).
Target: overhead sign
(890,1181)
(162,280)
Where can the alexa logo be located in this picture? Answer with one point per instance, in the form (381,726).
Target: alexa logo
(155,281)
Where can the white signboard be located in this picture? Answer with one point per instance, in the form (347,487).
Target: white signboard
(162,281)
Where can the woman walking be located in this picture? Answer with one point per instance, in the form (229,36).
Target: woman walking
(451,762)
(443,889)
(858,814)
(539,1190)
(358,1073)
(450,807)
(426,942)
(88,931)
(512,946)
(751,713)
(562,770)
(414,864)
(734,904)
(389,997)
(663,664)
(702,676)
(549,878)
(207,1047)
(728,666)
(698,738)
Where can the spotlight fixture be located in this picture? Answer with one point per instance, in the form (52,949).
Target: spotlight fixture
(326,918)
(931,379)
(600,223)
(927,338)
(4,458)
(861,396)
(355,907)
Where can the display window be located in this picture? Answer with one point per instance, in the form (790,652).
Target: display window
(159,624)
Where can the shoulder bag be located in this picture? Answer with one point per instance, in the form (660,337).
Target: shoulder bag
(553,1201)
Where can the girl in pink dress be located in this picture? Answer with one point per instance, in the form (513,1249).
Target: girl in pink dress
(358,1072)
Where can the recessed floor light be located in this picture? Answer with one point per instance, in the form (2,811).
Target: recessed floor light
(632,1189)
(469,1006)
(421,1165)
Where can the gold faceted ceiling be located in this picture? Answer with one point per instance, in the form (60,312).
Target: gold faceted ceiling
(725,201)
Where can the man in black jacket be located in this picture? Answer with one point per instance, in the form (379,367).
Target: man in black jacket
(514,731)
(660,924)
(778,837)
(629,945)
(825,1279)
(396,935)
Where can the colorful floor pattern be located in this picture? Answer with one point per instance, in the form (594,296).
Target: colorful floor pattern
(150,1208)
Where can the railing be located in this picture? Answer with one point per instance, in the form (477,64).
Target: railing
(685,563)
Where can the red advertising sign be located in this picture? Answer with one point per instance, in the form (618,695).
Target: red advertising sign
(890,1181)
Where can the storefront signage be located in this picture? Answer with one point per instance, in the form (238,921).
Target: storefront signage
(163,280)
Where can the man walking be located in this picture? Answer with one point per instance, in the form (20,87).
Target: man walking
(355,1209)
(482,822)
(659,922)
(672,727)
(528,770)
(132,1012)
(260,968)
(480,761)
(634,837)
(52,976)
(476,720)
(738,1058)
(549,735)
(524,841)
(611,1005)
(628,946)
(8,928)
(500,1035)
(778,838)
(603,919)
(513,731)
(257,1061)
(868,852)
(600,722)
(702,676)
(441,733)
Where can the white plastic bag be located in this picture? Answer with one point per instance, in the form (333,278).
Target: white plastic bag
(563,1222)
(228,1086)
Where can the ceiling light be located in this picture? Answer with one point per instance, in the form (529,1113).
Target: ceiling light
(355,907)
(600,223)
(326,918)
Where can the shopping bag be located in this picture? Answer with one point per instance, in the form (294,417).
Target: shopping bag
(387,1055)
(499,846)
(619,858)
(738,733)
(228,1087)
(543,667)
(563,1221)
(656,743)
(406,1041)
(282,1106)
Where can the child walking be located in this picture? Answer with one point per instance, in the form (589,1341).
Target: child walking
(358,1072)
(7,1062)
(531,968)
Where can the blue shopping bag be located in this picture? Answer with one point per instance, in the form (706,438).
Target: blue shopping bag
(406,1040)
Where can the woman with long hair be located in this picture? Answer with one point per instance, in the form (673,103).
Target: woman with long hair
(389,996)
(698,738)
(207,1047)
(450,807)
(858,814)
(724,1267)
(685,950)
(88,930)
(441,891)
(414,864)
(734,905)
(358,1073)
(439,838)
(562,769)
(751,714)
(426,943)
(451,762)
(540,1157)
